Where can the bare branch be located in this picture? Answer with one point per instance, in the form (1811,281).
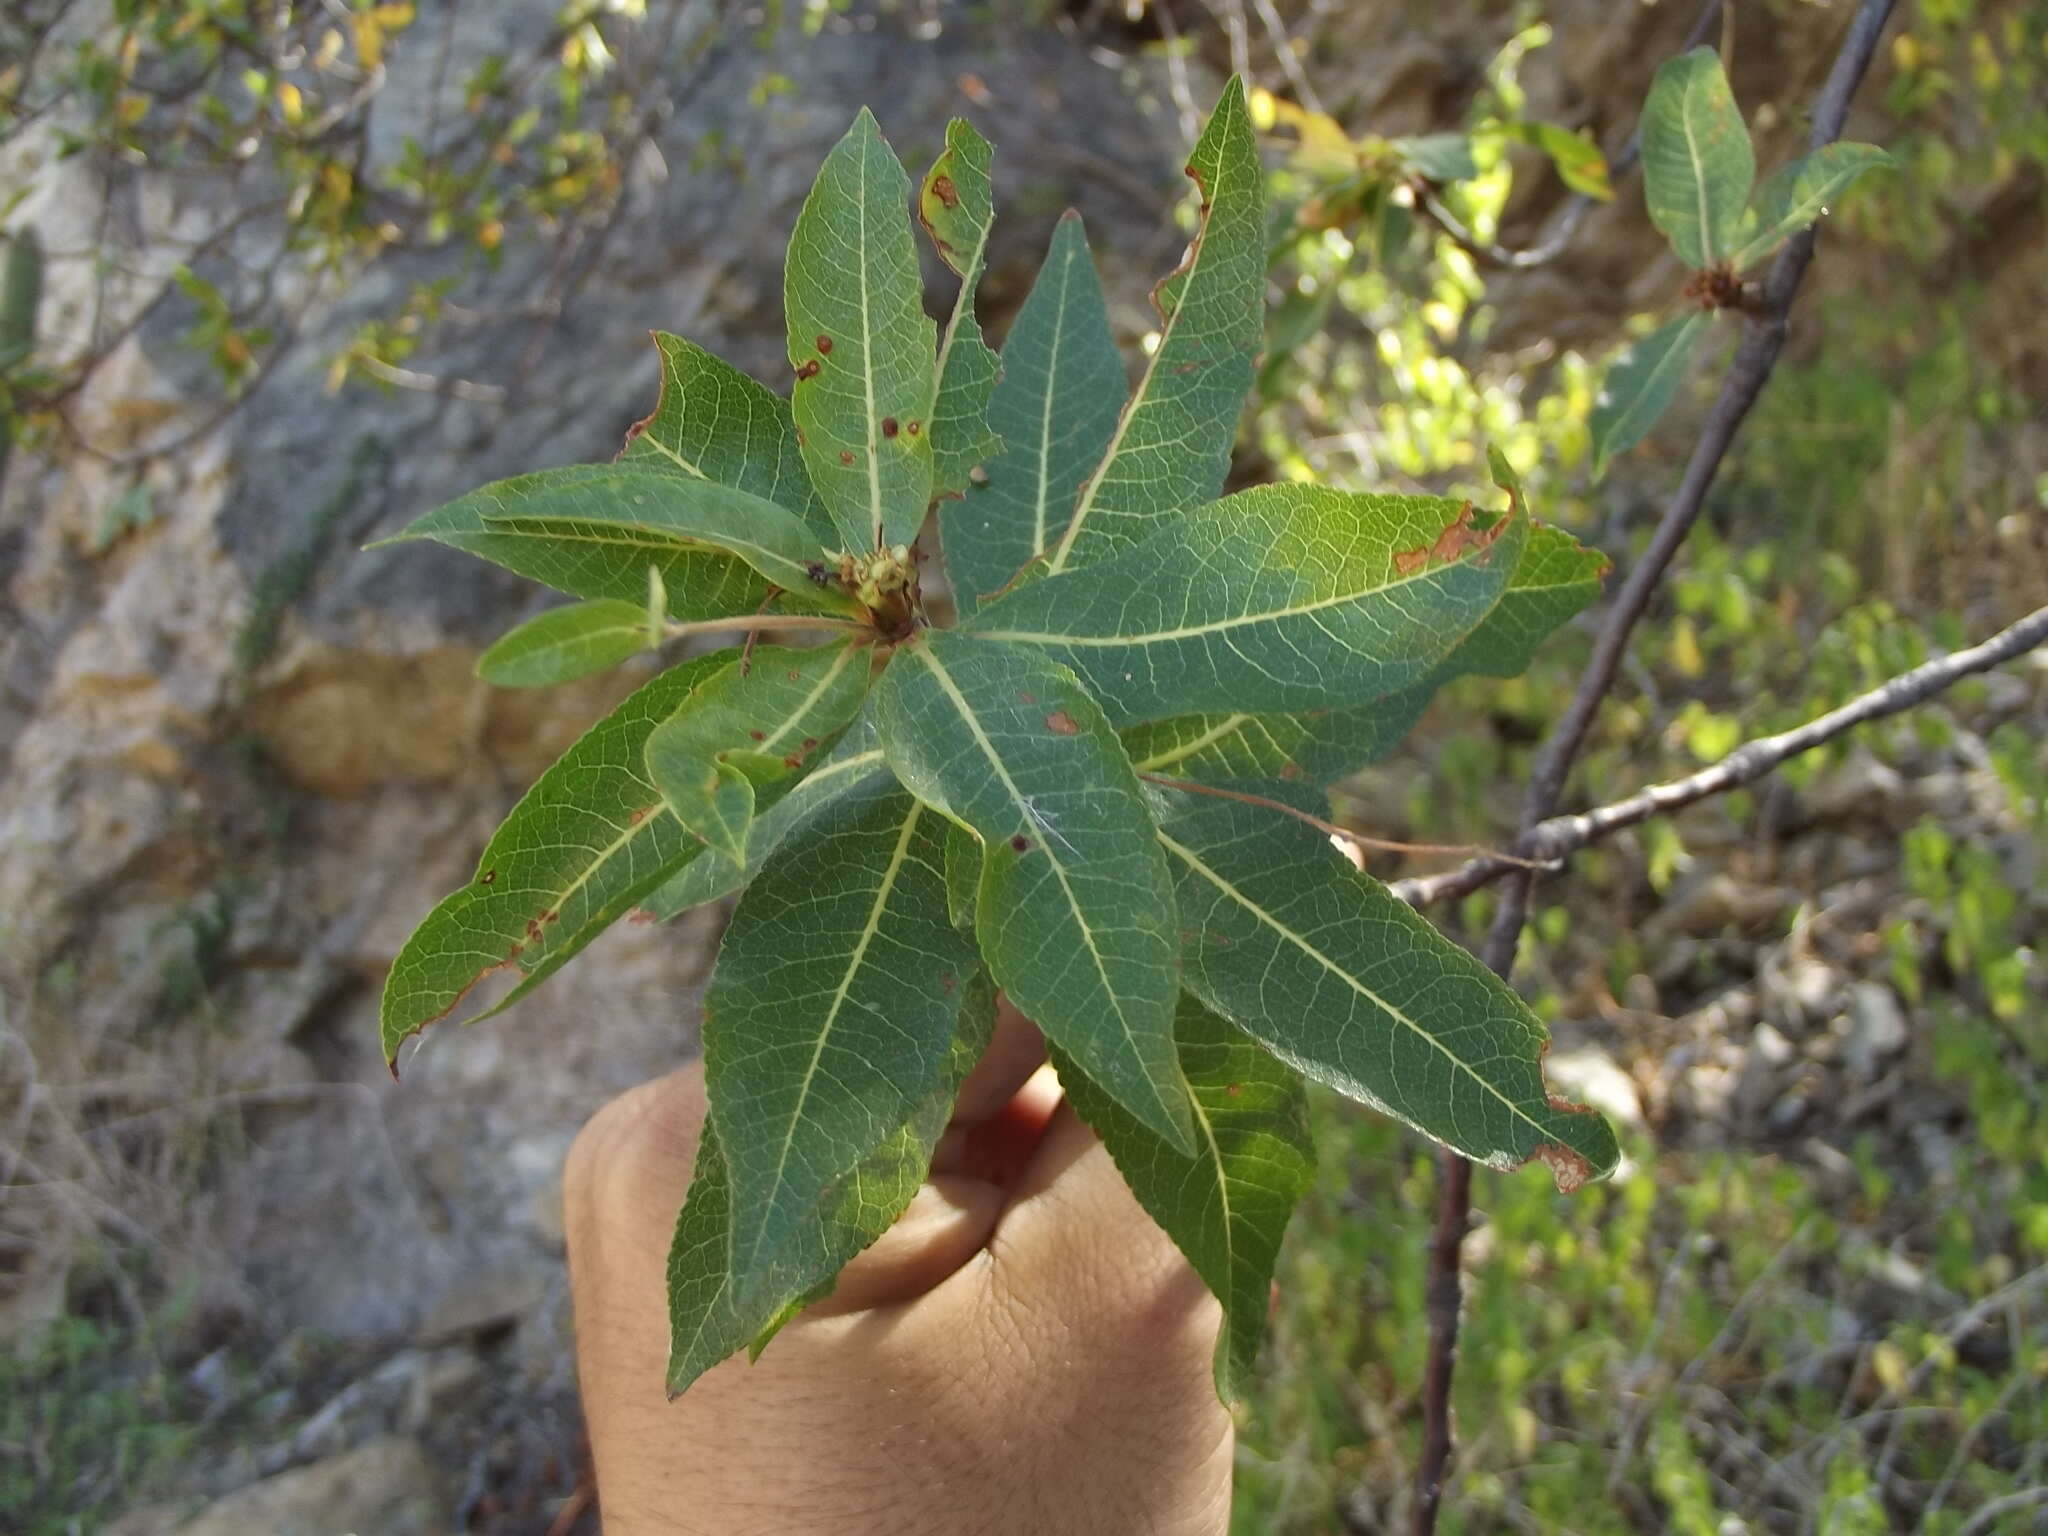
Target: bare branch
(1763,339)
(1552,839)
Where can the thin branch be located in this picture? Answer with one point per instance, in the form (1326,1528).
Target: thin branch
(1330,828)
(1763,339)
(1549,841)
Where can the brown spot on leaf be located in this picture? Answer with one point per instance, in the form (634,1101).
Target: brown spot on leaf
(946,982)
(846,456)
(889,426)
(1233,1089)
(1060,723)
(1570,1169)
(1290,770)
(825,344)
(913,427)
(1452,543)
(552,915)
(793,761)
(533,930)
(1020,843)
(1028,698)
(800,438)
(641,916)
(757,735)
(487,877)
(810,743)
(794,675)
(944,190)
(636,818)
(809,370)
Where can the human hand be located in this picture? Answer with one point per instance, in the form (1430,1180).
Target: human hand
(1024,1351)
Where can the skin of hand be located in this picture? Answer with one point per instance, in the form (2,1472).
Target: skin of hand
(1024,1351)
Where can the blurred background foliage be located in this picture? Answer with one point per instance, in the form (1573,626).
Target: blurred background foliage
(1817,1299)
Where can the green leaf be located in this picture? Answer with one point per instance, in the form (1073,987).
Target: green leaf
(1171,447)
(757,722)
(1580,164)
(831,1009)
(1640,385)
(1323,967)
(1698,166)
(861,344)
(1075,904)
(957,206)
(1442,157)
(1226,1207)
(708,1321)
(854,762)
(643,510)
(1055,409)
(1795,195)
(1556,578)
(568,642)
(1282,597)
(716,423)
(701,582)
(582,847)
(963,874)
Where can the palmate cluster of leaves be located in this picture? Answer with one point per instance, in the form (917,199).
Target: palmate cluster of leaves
(1699,173)
(920,816)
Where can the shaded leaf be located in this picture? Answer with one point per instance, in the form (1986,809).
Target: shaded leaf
(1075,906)
(854,762)
(861,344)
(577,852)
(1055,408)
(1795,195)
(963,874)
(717,423)
(756,722)
(1640,385)
(1172,443)
(1227,1206)
(639,508)
(957,205)
(1698,166)
(708,1321)
(1323,967)
(568,642)
(1442,157)
(831,1009)
(701,582)
(1282,597)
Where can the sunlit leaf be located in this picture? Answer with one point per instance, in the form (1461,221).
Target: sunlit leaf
(1172,443)
(565,643)
(1075,904)
(1323,967)
(1698,166)
(1282,597)
(757,722)
(1055,408)
(1640,385)
(1227,1206)
(861,344)
(957,206)
(1795,195)
(831,1009)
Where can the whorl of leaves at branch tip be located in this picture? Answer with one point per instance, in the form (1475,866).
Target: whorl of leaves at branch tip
(1699,181)
(915,817)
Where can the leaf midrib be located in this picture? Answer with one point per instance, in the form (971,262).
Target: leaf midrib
(1002,772)
(867,350)
(1221,626)
(1699,167)
(1194,862)
(897,859)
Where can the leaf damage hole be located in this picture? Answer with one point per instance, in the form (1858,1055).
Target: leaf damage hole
(487,877)
(1570,1169)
